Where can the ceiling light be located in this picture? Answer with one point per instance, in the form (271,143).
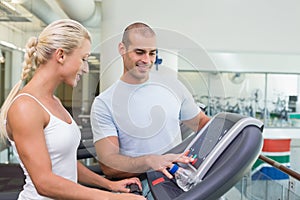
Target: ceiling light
(2,59)
(17,1)
(9,6)
(8,44)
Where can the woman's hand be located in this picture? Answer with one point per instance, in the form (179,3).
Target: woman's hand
(129,196)
(121,186)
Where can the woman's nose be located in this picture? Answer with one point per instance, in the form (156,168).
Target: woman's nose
(85,68)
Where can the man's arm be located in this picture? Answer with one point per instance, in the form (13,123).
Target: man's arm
(197,122)
(110,160)
(115,165)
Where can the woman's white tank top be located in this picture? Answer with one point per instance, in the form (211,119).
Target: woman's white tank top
(62,140)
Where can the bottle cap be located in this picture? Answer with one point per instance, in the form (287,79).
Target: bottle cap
(174,169)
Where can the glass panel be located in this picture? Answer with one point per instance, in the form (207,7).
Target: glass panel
(227,92)
(281,99)
(272,98)
(265,188)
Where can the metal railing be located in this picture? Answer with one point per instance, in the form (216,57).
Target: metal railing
(281,167)
(264,187)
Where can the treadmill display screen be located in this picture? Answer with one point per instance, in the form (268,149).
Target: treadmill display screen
(203,145)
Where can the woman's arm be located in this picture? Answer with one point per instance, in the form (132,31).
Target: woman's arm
(88,177)
(26,122)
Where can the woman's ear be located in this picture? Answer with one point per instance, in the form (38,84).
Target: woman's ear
(60,55)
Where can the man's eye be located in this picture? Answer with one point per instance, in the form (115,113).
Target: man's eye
(139,52)
(84,59)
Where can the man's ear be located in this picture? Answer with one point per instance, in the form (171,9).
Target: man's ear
(60,55)
(122,48)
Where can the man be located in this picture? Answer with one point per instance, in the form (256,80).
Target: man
(138,118)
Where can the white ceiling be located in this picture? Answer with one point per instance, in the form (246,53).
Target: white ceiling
(8,15)
(34,15)
(34,24)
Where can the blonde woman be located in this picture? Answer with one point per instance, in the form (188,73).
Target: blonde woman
(41,131)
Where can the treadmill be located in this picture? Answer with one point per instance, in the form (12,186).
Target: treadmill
(224,150)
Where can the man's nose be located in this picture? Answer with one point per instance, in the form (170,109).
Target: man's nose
(146,58)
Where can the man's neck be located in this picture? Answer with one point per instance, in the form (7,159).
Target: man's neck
(132,80)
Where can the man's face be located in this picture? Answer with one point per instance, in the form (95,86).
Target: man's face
(139,57)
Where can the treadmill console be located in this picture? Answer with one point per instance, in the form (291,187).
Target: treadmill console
(206,147)
(214,138)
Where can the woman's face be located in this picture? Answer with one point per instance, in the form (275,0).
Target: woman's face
(77,63)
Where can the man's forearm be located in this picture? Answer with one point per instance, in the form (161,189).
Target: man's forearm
(112,173)
(124,166)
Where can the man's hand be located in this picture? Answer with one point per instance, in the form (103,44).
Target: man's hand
(163,162)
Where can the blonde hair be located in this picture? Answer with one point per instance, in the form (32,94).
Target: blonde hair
(66,34)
